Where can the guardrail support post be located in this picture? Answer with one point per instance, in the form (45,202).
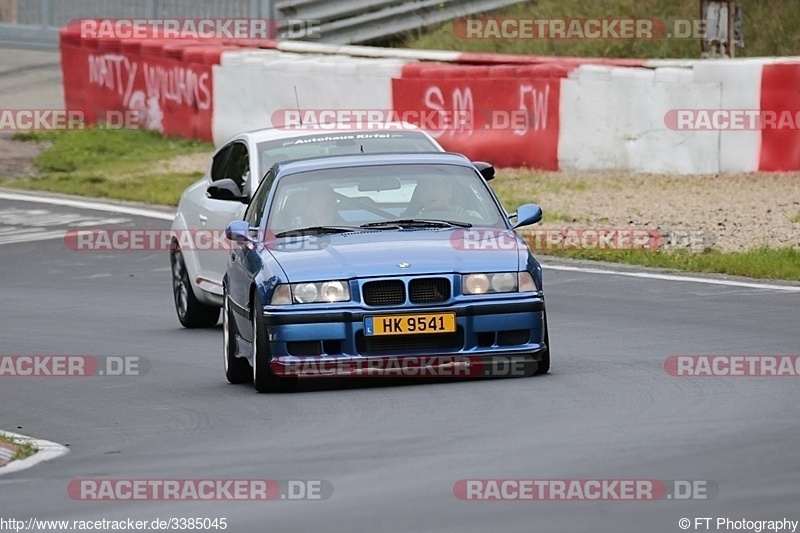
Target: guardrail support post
(46,13)
(267,9)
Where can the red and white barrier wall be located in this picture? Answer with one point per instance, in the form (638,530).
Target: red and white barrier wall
(584,114)
(614,118)
(169,83)
(253,89)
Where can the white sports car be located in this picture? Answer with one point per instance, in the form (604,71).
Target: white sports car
(221,197)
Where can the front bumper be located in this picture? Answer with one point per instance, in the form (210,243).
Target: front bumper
(491,338)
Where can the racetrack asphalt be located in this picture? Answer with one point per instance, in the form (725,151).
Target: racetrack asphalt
(392,450)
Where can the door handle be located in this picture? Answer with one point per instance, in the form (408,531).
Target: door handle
(203,219)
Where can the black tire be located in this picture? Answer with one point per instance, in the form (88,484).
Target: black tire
(263,378)
(191,312)
(544,365)
(237,369)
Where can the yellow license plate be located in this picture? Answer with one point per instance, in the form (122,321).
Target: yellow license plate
(410,324)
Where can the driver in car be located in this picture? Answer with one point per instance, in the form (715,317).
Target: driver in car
(436,196)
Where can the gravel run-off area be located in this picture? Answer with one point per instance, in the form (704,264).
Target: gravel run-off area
(728,212)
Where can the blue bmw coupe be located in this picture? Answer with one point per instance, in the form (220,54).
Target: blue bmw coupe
(381,264)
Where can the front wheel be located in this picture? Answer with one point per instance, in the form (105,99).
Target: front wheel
(237,369)
(191,312)
(263,378)
(544,365)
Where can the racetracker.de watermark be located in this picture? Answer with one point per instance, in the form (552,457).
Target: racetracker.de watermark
(601,239)
(62,119)
(584,489)
(404,366)
(733,366)
(578,28)
(72,366)
(732,120)
(201,240)
(431,119)
(198,489)
(145,240)
(213,29)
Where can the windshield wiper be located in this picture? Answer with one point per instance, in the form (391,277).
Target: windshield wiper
(314,230)
(417,223)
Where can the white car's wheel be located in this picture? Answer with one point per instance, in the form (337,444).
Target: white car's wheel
(191,312)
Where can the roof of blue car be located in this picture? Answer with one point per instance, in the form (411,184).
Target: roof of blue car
(371,159)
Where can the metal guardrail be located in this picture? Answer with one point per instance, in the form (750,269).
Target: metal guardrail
(35,23)
(366,21)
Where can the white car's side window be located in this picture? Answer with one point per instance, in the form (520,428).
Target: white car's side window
(255,210)
(218,165)
(237,165)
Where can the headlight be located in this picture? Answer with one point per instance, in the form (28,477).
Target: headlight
(334,291)
(321,292)
(282,295)
(506,282)
(526,283)
(305,293)
(311,292)
(501,282)
(476,283)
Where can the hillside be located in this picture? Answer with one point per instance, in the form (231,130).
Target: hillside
(771,28)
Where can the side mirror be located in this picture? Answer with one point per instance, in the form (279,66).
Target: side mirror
(226,189)
(486,169)
(528,214)
(238,231)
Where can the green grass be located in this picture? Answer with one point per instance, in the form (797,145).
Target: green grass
(796,219)
(771,28)
(161,189)
(764,263)
(116,164)
(24,448)
(522,186)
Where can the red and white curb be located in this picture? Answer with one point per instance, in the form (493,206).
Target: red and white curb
(46,451)
(7,451)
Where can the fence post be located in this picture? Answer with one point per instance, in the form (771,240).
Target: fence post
(8,11)
(46,13)
(268,9)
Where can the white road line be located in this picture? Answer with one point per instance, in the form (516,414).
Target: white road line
(47,451)
(96,206)
(148,213)
(668,277)
(32,237)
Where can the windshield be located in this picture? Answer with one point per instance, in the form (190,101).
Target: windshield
(271,152)
(380,195)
